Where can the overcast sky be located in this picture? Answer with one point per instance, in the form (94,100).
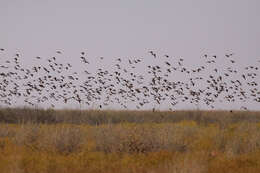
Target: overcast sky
(185,28)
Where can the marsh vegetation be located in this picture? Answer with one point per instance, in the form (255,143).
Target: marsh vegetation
(128,141)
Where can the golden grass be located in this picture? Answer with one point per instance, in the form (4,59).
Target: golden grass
(183,146)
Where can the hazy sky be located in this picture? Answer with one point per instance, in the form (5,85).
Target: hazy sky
(113,28)
(186,28)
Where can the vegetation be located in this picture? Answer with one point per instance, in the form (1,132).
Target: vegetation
(65,141)
(98,117)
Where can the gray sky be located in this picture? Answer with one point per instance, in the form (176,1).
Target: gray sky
(183,28)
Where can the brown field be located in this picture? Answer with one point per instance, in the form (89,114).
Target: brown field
(70,141)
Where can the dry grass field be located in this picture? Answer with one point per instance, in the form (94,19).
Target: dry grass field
(73,141)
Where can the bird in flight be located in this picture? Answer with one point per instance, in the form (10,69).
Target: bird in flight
(152,53)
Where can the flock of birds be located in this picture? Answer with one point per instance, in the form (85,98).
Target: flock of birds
(155,80)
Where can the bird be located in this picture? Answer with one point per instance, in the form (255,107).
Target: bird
(152,53)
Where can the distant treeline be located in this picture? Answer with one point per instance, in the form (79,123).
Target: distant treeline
(99,117)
